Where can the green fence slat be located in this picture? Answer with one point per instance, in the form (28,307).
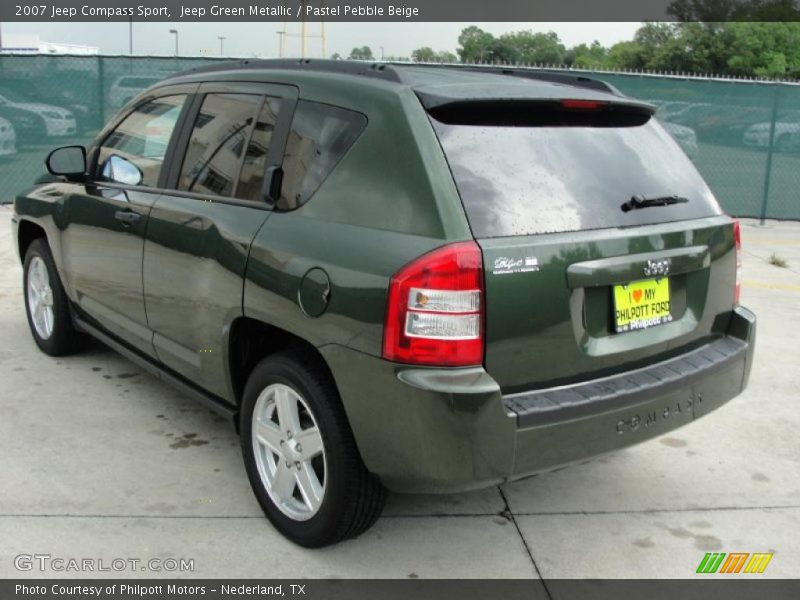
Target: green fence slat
(723,125)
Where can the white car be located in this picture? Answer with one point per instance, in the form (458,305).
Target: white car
(685,136)
(8,138)
(787,135)
(128,86)
(58,121)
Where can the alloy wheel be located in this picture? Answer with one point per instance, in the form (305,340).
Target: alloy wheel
(289,452)
(40,298)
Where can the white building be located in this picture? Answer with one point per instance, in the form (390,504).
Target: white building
(31,44)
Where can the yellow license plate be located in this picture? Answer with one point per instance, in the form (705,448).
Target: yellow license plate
(641,304)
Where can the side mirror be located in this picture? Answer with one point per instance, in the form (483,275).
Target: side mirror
(68,161)
(121,170)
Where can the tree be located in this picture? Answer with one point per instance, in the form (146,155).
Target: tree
(363,53)
(587,57)
(763,49)
(625,55)
(479,46)
(534,48)
(718,11)
(427,54)
(733,48)
(424,54)
(474,45)
(336,56)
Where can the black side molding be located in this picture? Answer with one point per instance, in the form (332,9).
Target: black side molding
(211,401)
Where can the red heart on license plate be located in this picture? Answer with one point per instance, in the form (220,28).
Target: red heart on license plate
(637,295)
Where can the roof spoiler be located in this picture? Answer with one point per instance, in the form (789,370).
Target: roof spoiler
(538,112)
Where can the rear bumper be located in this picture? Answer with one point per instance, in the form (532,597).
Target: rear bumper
(444,430)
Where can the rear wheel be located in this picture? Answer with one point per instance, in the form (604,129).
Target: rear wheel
(300,454)
(46,303)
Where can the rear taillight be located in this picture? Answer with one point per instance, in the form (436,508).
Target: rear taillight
(434,314)
(737,238)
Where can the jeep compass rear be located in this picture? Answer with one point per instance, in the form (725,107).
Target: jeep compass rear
(398,277)
(596,306)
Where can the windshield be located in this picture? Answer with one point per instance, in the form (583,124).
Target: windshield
(549,179)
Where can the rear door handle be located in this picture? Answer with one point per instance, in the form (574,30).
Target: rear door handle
(127,217)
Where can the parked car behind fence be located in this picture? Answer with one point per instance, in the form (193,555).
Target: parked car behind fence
(8,138)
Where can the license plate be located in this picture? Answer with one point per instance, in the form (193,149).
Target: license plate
(641,304)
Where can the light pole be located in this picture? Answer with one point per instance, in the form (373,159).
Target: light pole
(281,37)
(221,39)
(175,31)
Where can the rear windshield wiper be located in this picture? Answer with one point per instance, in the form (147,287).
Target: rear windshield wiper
(643,202)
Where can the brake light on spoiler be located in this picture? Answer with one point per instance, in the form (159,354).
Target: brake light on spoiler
(583,104)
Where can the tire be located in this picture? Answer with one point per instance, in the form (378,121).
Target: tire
(52,328)
(348,499)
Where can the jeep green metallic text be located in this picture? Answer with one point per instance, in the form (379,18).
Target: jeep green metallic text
(414,278)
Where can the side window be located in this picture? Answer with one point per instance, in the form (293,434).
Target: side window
(217,145)
(251,177)
(134,152)
(319,137)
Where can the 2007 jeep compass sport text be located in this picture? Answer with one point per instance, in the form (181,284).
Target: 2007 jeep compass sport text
(414,278)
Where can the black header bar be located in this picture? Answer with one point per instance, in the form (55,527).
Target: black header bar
(363,10)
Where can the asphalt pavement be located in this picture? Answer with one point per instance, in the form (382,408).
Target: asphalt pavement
(100,460)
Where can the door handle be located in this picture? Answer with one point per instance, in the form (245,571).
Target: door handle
(127,217)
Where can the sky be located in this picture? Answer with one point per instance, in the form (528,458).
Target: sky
(262,39)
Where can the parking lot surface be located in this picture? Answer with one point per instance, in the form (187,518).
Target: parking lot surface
(100,460)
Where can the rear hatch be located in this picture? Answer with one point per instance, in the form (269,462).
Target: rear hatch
(603,247)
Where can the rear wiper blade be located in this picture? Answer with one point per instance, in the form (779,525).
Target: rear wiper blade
(643,202)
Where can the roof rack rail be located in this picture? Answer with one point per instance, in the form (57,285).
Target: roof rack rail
(393,71)
(345,67)
(530,73)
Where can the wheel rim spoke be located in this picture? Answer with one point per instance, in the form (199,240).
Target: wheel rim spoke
(36,275)
(48,319)
(283,482)
(269,435)
(310,487)
(286,404)
(310,441)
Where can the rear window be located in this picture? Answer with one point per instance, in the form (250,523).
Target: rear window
(524,180)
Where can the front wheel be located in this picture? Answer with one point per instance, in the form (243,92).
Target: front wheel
(46,303)
(300,454)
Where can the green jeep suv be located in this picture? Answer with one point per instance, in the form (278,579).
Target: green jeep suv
(414,278)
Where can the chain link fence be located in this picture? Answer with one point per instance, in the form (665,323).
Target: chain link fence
(744,136)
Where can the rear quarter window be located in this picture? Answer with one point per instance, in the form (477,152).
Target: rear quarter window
(319,137)
(524,180)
